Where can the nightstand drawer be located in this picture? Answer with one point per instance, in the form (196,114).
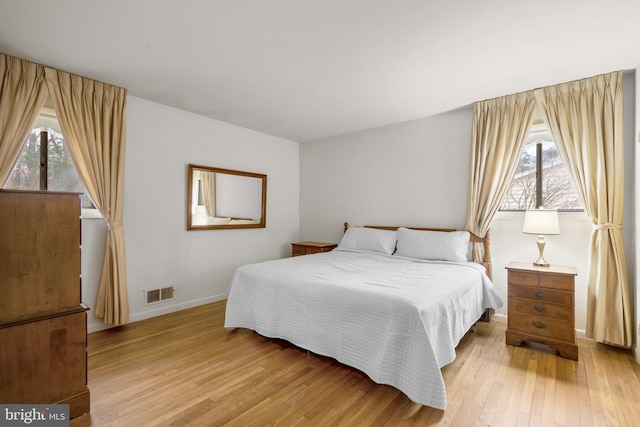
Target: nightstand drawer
(307,248)
(542,294)
(556,282)
(522,278)
(298,250)
(312,250)
(541,308)
(542,327)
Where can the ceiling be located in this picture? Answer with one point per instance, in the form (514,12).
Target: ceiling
(310,69)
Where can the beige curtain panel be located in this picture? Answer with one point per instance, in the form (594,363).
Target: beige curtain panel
(92,119)
(500,128)
(208,183)
(22,96)
(585,119)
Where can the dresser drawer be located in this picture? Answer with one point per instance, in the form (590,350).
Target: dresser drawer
(542,294)
(540,308)
(542,327)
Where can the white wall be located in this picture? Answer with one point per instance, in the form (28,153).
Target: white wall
(161,142)
(416,174)
(637,214)
(94,238)
(413,173)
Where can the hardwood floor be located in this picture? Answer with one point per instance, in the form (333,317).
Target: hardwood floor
(185,369)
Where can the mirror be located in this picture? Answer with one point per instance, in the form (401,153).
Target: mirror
(223,198)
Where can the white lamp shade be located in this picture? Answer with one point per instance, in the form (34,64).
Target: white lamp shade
(541,222)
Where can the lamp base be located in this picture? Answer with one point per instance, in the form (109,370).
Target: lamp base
(541,262)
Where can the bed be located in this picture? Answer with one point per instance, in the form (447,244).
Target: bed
(392,302)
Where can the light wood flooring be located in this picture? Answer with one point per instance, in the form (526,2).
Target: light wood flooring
(185,369)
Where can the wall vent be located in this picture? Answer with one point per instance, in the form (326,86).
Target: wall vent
(154,296)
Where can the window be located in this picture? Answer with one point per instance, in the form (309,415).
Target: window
(541,179)
(49,167)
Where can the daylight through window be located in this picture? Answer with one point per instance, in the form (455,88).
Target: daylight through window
(556,189)
(54,161)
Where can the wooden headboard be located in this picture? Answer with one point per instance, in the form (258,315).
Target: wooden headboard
(486,241)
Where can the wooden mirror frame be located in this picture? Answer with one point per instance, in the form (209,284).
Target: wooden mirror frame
(233,222)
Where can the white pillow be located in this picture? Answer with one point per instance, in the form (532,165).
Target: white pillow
(433,245)
(369,239)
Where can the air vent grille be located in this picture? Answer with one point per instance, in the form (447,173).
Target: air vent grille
(155,296)
(166,293)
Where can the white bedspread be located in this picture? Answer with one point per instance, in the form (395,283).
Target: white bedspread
(397,320)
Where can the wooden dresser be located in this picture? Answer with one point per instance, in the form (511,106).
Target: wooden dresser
(541,307)
(306,248)
(43,323)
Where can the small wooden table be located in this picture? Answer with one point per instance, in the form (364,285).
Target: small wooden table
(306,248)
(541,307)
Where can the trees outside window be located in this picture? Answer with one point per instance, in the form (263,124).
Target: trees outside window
(556,189)
(54,161)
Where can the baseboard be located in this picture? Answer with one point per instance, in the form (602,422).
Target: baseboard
(136,317)
(500,317)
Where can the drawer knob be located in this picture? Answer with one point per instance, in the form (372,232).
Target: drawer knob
(523,277)
(539,308)
(538,294)
(556,281)
(539,325)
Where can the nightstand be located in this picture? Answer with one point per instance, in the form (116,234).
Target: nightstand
(541,307)
(306,248)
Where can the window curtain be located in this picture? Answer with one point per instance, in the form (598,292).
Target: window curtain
(500,128)
(208,181)
(92,118)
(22,95)
(585,119)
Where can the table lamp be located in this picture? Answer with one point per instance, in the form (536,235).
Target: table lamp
(541,222)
